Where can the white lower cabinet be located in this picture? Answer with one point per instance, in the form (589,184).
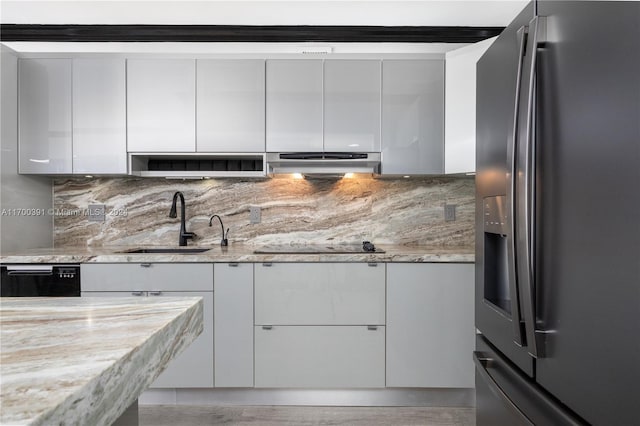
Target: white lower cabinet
(430,325)
(193,368)
(312,325)
(319,356)
(233,324)
(319,325)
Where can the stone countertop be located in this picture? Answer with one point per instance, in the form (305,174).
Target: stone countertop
(86,360)
(238,253)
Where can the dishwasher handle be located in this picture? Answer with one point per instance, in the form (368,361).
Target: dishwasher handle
(31,270)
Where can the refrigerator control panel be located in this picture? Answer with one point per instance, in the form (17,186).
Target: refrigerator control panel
(495,215)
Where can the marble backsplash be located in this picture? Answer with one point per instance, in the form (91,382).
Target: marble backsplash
(294,211)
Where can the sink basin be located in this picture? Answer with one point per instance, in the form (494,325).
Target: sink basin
(167,250)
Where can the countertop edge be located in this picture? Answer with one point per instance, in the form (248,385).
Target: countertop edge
(239,255)
(108,394)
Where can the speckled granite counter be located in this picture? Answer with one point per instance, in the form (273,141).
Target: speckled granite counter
(238,253)
(85,360)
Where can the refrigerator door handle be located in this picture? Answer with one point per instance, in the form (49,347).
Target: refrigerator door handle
(526,187)
(511,198)
(482,366)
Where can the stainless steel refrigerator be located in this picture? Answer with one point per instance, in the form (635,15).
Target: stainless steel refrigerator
(558,217)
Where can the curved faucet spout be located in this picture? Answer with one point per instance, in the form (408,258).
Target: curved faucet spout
(184,235)
(225,236)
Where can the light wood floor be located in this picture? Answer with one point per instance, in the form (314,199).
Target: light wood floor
(181,415)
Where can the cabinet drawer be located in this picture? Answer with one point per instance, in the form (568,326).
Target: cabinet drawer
(147,277)
(319,357)
(320,294)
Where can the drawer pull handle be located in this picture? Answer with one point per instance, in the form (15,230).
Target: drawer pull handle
(145,265)
(233,265)
(155,293)
(373,264)
(267,327)
(267,264)
(372,327)
(137,293)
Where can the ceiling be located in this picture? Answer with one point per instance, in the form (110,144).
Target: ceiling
(476,13)
(265,12)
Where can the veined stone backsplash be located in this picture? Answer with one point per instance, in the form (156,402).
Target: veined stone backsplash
(294,211)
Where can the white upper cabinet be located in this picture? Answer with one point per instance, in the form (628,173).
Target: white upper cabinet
(230,106)
(44,123)
(294,105)
(412,117)
(161,105)
(99,116)
(460,107)
(351,106)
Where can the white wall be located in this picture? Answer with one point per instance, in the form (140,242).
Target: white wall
(21,226)
(460,107)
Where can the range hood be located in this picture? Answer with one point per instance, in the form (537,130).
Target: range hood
(326,164)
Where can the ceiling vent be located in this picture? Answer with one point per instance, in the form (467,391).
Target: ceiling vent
(318,50)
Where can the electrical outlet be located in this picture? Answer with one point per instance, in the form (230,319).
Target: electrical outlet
(254,214)
(449,212)
(96,212)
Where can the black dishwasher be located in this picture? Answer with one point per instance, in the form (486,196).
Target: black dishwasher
(40,280)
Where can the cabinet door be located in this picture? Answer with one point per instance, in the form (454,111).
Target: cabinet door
(320,294)
(412,117)
(352,106)
(233,321)
(146,276)
(230,106)
(430,325)
(193,368)
(99,116)
(161,105)
(320,357)
(44,116)
(294,105)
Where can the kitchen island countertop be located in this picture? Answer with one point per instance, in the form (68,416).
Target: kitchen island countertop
(86,360)
(237,253)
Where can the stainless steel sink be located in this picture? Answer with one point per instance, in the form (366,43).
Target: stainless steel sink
(166,250)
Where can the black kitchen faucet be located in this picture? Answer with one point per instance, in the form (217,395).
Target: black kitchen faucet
(184,235)
(225,240)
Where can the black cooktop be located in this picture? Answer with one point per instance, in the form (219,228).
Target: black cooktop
(316,249)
